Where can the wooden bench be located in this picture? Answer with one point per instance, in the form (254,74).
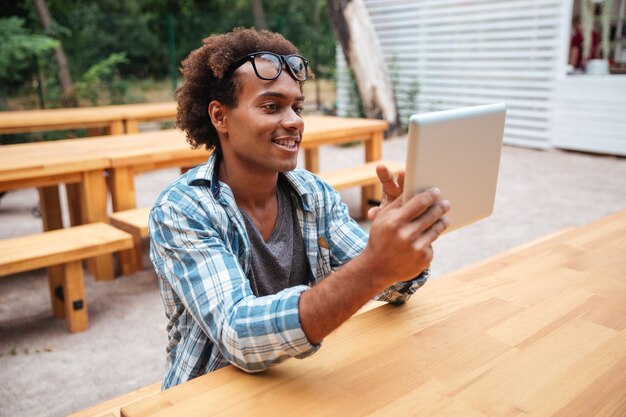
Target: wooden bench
(62,251)
(135,221)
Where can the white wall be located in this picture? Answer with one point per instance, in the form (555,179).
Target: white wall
(590,113)
(470,52)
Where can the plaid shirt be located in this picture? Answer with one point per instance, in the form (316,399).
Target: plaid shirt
(201,254)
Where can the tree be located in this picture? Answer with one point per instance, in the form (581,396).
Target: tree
(69,98)
(355,32)
(19,48)
(259,14)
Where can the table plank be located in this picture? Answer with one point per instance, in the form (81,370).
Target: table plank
(113,117)
(538,330)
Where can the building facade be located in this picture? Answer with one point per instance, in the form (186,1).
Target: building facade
(446,54)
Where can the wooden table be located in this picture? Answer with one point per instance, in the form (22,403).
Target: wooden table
(167,148)
(329,130)
(540,330)
(81,163)
(117,119)
(45,165)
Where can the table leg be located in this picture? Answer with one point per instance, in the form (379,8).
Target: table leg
(52,218)
(73,203)
(122,182)
(312,160)
(50,207)
(94,205)
(373,152)
(132,126)
(116,127)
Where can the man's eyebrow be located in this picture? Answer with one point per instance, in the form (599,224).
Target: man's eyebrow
(276,94)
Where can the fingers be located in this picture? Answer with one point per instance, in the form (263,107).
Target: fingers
(418,204)
(371,213)
(431,234)
(400,179)
(389,183)
(429,225)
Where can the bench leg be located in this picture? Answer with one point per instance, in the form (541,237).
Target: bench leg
(52,218)
(369,193)
(130,260)
(74,297)
(55,280)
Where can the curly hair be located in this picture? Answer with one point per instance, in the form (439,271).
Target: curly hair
(205,78)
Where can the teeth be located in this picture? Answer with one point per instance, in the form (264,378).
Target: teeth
(286,143)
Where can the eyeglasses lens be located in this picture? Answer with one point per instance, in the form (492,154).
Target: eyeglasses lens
(297,66)
(267,66)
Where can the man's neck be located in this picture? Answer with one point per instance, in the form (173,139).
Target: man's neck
(253,190)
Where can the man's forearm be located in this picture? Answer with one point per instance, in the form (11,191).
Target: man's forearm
(328,304)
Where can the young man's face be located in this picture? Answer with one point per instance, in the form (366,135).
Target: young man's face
(264,130)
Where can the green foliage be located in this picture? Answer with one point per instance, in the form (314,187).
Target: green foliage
(19,47)
(103,77)
(90,30)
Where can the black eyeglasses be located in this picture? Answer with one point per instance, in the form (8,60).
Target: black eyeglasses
(269,66)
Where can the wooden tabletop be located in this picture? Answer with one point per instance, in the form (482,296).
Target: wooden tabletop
(540,330)
(324,130)
(82,117)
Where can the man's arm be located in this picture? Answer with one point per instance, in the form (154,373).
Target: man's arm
(399,249)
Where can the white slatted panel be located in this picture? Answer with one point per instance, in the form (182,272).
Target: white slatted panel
(590,114)
(470,52)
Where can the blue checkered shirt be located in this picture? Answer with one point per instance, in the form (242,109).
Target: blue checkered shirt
(201,254)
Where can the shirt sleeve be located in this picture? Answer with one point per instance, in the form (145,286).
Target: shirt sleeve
(193,256)
(348,240)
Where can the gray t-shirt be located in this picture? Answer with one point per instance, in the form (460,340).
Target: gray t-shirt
(280,262)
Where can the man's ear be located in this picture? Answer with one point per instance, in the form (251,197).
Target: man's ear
(217,113)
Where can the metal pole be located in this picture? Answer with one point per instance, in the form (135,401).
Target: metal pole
(42,99)
(172,49)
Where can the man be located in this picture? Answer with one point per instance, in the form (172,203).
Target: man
(576,52)
(246,248)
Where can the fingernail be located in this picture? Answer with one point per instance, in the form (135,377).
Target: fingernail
(445,204)
(436,191)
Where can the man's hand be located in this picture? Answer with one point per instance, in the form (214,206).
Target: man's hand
(392,189)
(401,236)
(399,249)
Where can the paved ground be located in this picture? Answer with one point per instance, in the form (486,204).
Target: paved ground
(49,372)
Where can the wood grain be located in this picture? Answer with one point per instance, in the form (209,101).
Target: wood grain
(537,331)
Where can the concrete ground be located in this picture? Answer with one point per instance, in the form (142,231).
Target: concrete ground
(47,371)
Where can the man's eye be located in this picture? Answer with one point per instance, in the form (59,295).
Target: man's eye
(271,106)
(298,109)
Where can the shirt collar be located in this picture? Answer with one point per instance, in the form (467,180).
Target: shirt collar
(207,174)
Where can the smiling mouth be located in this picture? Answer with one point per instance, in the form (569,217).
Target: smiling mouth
(290,143)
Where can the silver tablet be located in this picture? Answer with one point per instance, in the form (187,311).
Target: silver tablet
(457,151)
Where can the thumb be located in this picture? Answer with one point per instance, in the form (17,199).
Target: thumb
(372,212)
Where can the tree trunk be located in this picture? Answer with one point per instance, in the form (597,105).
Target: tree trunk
(69,98)
(259,14)
(358,39)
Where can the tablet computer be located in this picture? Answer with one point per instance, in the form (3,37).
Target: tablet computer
(457,151)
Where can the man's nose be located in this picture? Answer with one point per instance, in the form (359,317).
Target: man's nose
(293,120)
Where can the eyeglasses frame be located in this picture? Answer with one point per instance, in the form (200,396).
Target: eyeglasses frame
(283,60)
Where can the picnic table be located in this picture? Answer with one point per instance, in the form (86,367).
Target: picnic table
(117,119)
(537,330)
(80,164)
